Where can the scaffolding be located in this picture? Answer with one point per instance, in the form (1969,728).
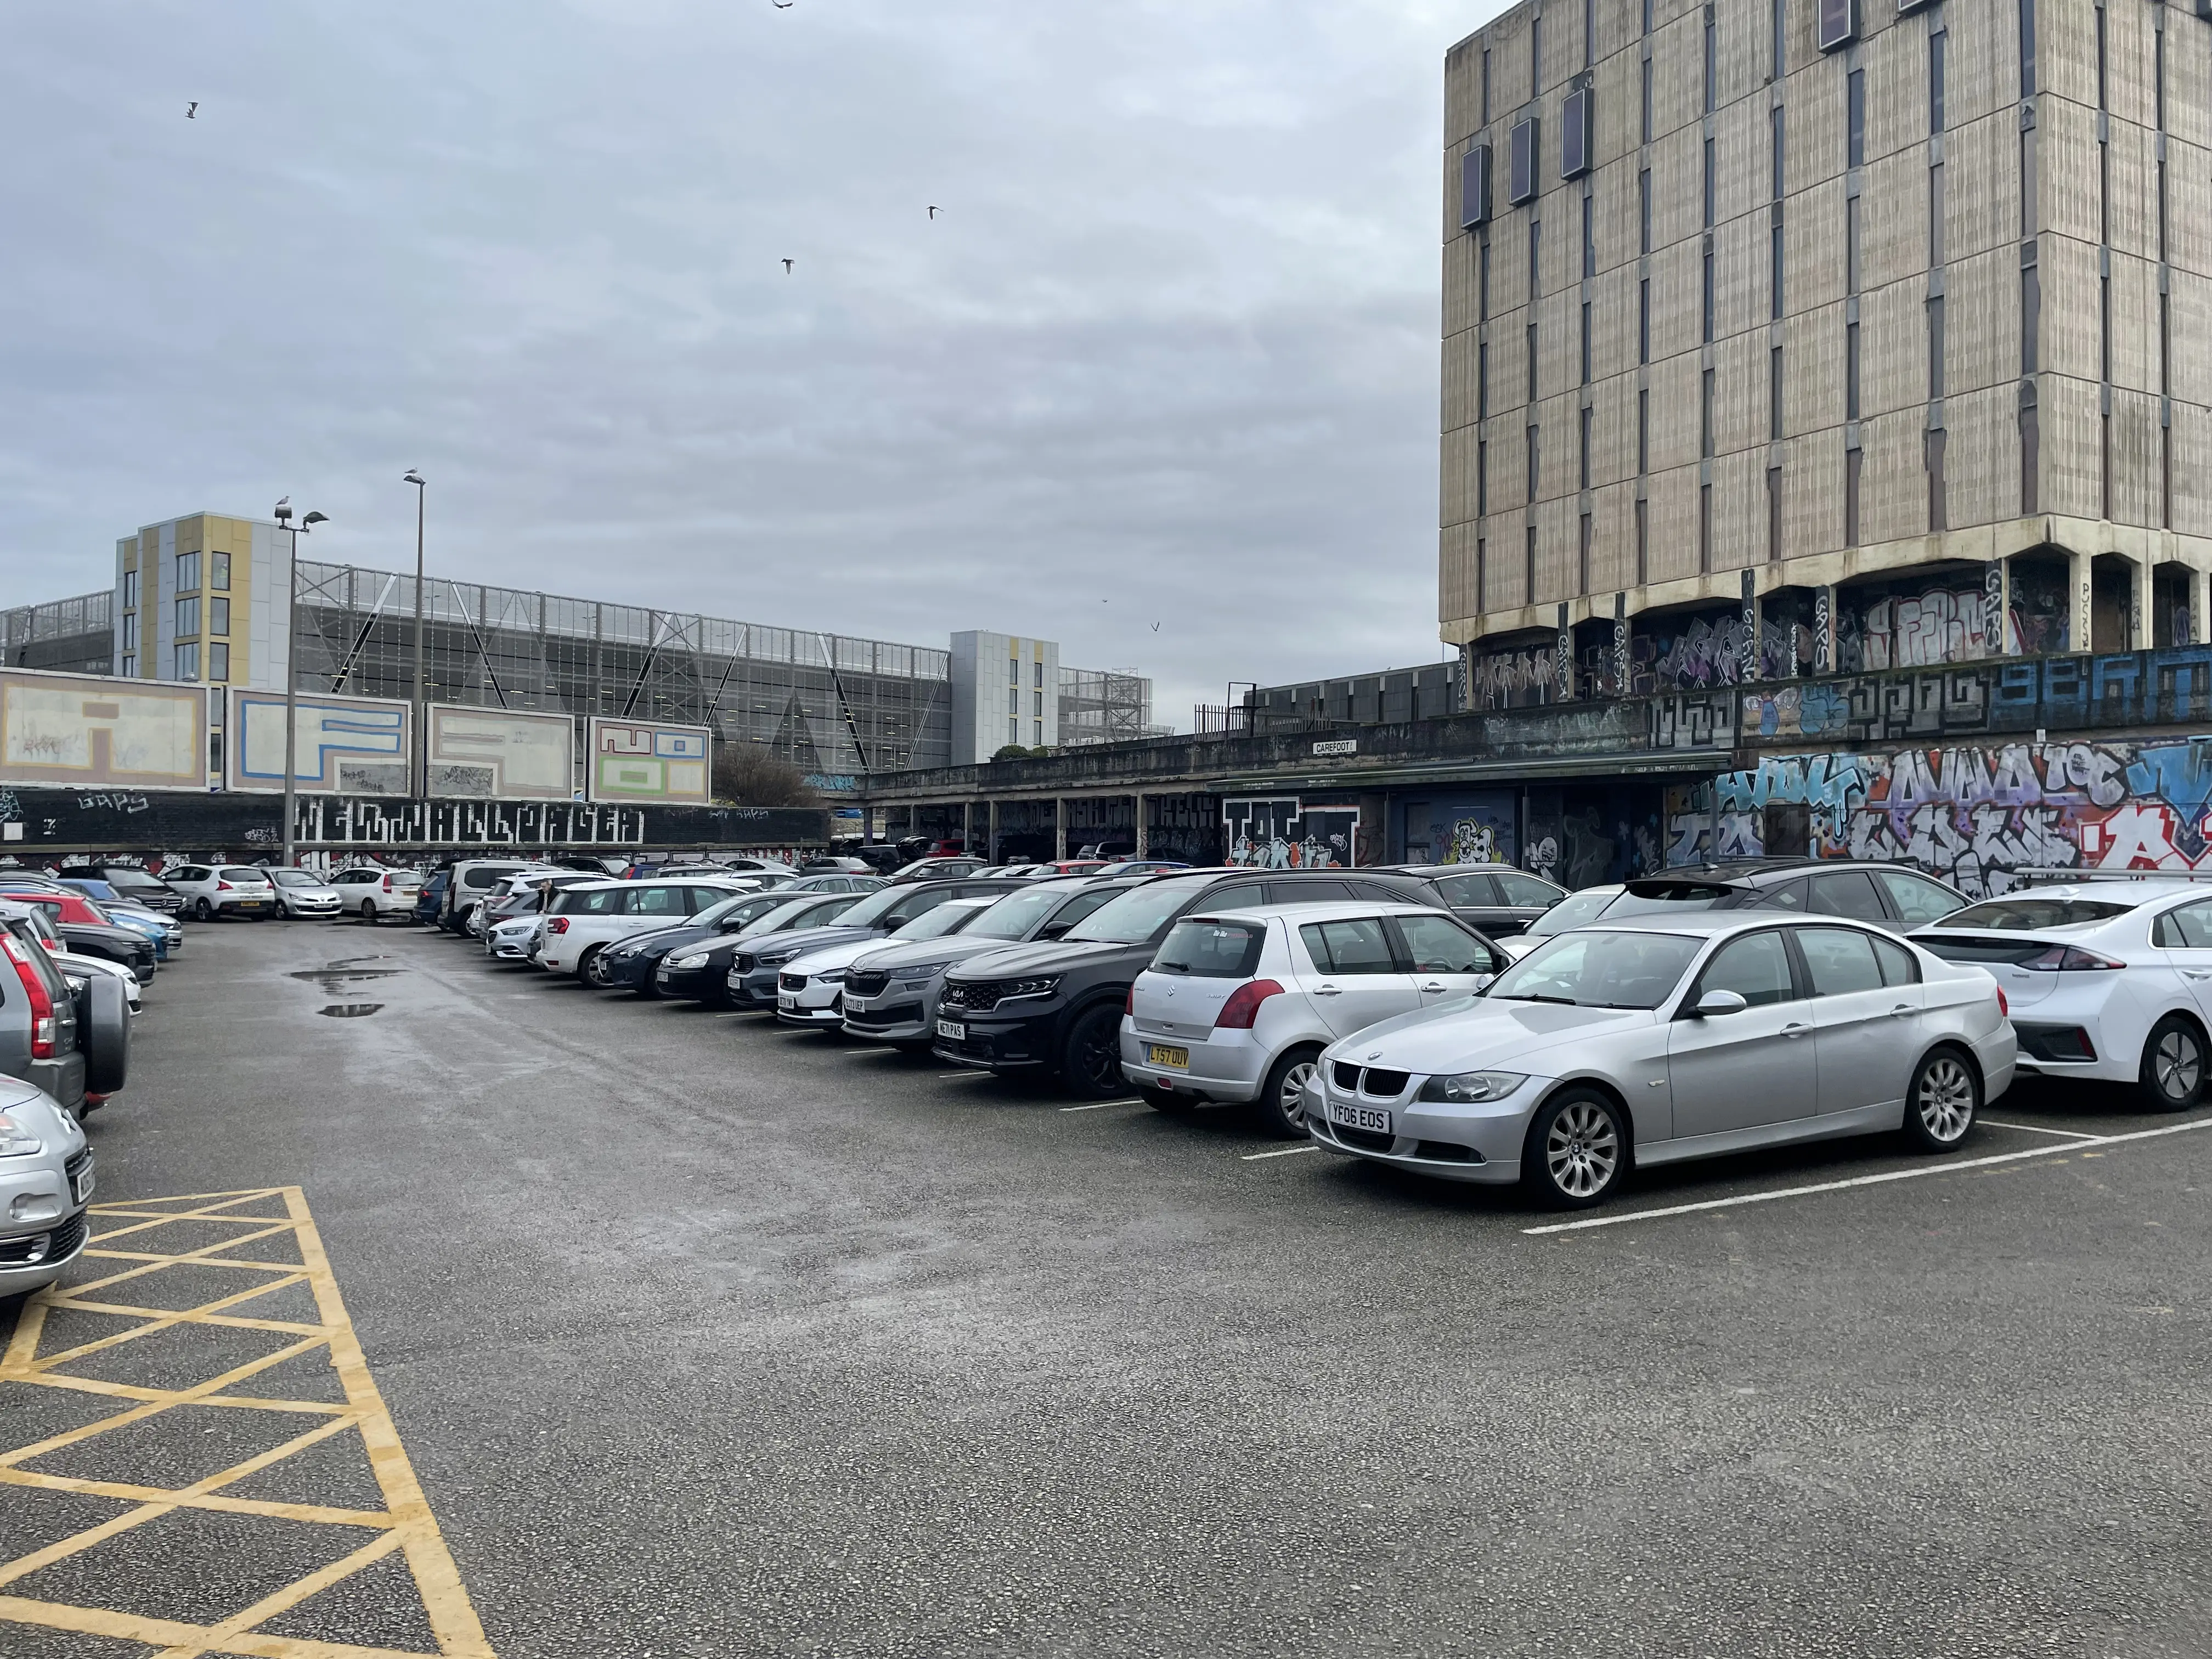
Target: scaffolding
(1104,706)
(75,634)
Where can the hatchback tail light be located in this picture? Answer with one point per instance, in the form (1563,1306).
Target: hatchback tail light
(2004,1005)
(1130,1003)
(42,1001)
(1243,1005)
(2070,959)
(388,884)
(222,887)
(557,925)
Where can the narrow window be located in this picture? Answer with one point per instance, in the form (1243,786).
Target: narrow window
(1705,414)
(1531,336)
(1645,128)
(1522,186)
(1536,55)
(2031,459)
(1582,562)
(1584,463)
(2165,383)
(1938,508)
(2104,331)
(1778,24)
(1589,236)
(1481,573)
(1529,569)
(1482,277)
(1485,85)
(1643,431)
(1851,371)
(1851,498)
(1533,464)
(1647,16)
(1586,343)
(1774,121)
(1935,213)
(2101,103)
(2028,220)
(219,572)
(1643,211)
(1643,321)
(1773,514)
(1938,44)
(1850,244)
(1711,60)
(1474,187)
(1705,528)
(1642,545)
(1854,119)
(1709,288)
(1935,347)
(1578,132)
(1482,478)
(1710,183)
(219,611)
(2028,48)
(1774,274)
(1774,393)
(1535,247)
(2031,319)
(1589,32)
(1482,382)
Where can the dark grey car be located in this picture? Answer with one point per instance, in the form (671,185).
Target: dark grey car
(753,973)
(1500,899)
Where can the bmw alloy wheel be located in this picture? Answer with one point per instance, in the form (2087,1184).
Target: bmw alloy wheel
(1945,1099)
(1581,1150)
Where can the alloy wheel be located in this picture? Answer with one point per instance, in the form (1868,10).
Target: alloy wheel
(1581,1150)
(1945,1099)
(1098,1056)
(1291,1101)
(2178,1064)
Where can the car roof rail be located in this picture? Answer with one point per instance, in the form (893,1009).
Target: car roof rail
(2060,873)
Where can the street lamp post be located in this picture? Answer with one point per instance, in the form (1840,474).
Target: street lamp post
(421,767)
(291,661)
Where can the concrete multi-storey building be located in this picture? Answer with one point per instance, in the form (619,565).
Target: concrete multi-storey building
(1786,337)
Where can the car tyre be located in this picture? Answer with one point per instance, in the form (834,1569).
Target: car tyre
(1280,1108)
(202,910)
(587,968)
(1942,1101)
(2172,1075)
(368,911)
(1578,1150)
(1090,1055)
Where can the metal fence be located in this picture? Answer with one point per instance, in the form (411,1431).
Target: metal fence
(77,635)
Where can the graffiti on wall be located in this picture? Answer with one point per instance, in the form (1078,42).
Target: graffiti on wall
(1512,679)
(1977,817)
(1279,833)
(1943,625)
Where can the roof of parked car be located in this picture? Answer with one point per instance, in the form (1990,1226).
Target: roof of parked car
(1318,910)
(1711,922)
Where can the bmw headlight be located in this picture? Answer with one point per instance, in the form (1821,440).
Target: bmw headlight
(16,1139)
(1469,1088)
(688,959)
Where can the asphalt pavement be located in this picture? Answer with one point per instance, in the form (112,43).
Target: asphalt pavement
(704,1338)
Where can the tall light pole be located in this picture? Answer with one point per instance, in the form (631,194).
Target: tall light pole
(421,767)
(291,660)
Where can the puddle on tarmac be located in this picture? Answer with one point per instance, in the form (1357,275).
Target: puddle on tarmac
(349,1010)
(344,972)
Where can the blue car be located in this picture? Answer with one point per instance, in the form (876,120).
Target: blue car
(166,933)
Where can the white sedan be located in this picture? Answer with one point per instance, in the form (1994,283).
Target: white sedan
(1660,1038)
(2108,979)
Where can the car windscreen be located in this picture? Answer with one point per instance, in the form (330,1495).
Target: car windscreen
(238,872)
(2029,914)
(1013,916)
(1211,950)
(91,889)
(135,878)
(951,917)
(1600,968)
(875,905)
(1572,912)
(812,912)
(294,878)
(1137,915)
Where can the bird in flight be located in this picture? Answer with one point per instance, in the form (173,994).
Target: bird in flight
(191,110)
(933,212)
(781,5)
(786,267)
(1156,628)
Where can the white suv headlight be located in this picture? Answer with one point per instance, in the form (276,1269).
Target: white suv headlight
(1467,1088)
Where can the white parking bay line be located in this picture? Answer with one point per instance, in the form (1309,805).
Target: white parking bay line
(1865,1181)
(2038,1129)
(1281,1152)
(1100,1105)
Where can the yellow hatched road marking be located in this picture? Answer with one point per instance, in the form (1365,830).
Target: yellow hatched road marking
(405,1525)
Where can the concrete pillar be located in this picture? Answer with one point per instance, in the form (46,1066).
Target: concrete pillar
(992,831)
(2139,616)
(1996,609)
(2200,604)
(2080,625)
(1059,829)
(1751,625)
(1824,628)
(966,826)
(1140,825)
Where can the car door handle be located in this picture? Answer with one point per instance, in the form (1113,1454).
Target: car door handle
(1327,991)
(1432,986)
(1795,1029)
(2195,973)
(1901,1008)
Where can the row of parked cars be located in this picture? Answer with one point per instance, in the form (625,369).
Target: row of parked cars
(1469,1022)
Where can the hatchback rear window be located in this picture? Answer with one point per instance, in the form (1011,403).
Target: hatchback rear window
(2027,915)
(237,874)
(595,902)
(1211,950)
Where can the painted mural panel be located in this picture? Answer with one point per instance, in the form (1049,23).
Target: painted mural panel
(341,745)
(648,761)
(1474,828)
(94,731)
(491,754)
(1977,816)
(1279,833)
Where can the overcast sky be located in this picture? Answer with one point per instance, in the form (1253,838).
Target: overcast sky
(1168,355)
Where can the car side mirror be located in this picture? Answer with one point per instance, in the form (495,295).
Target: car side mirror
(1054,929)
(1484,981)
(1719,1002)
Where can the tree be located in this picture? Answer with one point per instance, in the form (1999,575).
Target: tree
(753,775)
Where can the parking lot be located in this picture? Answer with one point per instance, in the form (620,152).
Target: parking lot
(699,1337)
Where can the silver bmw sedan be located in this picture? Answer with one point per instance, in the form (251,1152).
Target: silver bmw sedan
(1658,1038)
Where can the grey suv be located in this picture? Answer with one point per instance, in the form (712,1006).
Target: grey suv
(71,1040)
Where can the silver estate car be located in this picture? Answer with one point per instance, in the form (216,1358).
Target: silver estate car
(1659,1038)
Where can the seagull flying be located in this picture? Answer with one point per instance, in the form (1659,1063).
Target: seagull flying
(780,5)
(191,110)
(933,212)
(1156,628)
(786,267)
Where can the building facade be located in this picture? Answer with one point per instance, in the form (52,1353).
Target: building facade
(1005,690)
(1786,337)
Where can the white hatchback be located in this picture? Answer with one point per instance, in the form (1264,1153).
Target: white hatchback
(373,892)
(586,918)
(222,890)
(1237,1006)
